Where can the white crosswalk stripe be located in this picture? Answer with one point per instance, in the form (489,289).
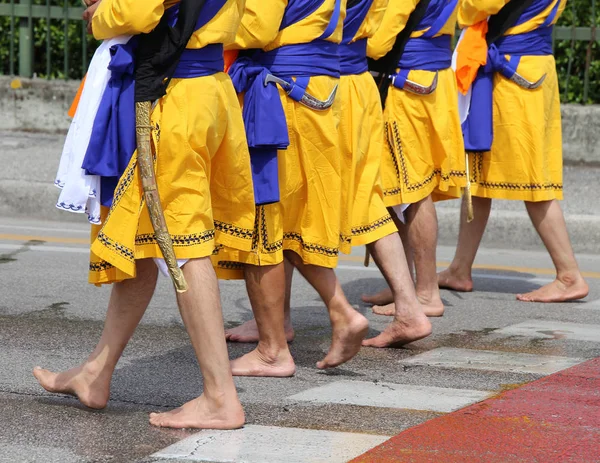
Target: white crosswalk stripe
(450,357)
(273,444)
(553,330)
(270,444)
(389,395)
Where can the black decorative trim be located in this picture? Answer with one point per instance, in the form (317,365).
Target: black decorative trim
(230,265)
(123,251)
(477,175)
(232,230)
(402,171)
(311,247)
(356,231)
(264,234)
(100,266)
(192,239)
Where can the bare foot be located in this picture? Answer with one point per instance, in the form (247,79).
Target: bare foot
(202,413)
(381,298)
(433,309)
(401,332)
(560,290)
(349,329)
(388,309)
(450,280)
(90,385)
(432,305)
(256,363)
(248,332)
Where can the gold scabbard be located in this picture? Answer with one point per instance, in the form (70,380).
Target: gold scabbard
(157,217)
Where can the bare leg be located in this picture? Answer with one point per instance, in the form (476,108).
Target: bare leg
(266,289)
(218,407)
(382,300)
(422,237)
(410,323)
(548,220)
(90,382)
(248,331)
(457,277)
(348,326)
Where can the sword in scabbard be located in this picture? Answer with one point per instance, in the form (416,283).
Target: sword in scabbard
(145,161)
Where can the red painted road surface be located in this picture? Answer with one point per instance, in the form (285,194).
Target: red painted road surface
(553,420)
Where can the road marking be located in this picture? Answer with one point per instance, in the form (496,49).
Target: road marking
(41,248)
(553,330)
(449,357)
(45,239)
(390,395)
(260,444)
(85,231)
(540,271)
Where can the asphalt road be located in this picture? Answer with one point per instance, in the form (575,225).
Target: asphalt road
(50,316)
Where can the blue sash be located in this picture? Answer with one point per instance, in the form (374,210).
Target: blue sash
(478,128)
(428,53)
(113,139)
(264,117)
(353,56)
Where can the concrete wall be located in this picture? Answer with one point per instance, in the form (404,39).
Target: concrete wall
(42,106)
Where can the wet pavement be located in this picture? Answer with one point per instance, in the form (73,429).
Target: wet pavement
(50,316)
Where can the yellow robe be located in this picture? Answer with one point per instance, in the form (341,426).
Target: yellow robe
(425,149)
(525,162)
(307,218)
(365,218)
(202,160)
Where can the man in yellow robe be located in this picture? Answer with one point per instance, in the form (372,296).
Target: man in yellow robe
(364,219)
(525,159)
(204,179)
(424,158)
(291,113)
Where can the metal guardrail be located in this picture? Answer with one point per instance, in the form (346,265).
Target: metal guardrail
(21,18)
(22,13)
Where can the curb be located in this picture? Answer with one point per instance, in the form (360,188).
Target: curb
(506,229)
(513,230)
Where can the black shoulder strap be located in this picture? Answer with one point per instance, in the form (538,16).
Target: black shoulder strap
(387,65)
(506,18)
(159,51)
(352,3)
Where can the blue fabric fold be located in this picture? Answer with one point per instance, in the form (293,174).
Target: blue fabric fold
(113,141)
(353,58)
(478,128)
(263,114)
(265,123)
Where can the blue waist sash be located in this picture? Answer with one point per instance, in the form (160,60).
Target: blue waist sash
(264,117)
(424,54)
(478,128)
(113,139)
(353,58)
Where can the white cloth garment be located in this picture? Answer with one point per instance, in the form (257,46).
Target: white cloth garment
(162,266)
(399,210)
(80,192)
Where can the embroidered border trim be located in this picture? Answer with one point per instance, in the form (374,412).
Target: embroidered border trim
(192,239)
(311,247)
(123,251)
(100,266)
(233,230)
(402,170)
(230,265)
(477,174)
(356,231)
